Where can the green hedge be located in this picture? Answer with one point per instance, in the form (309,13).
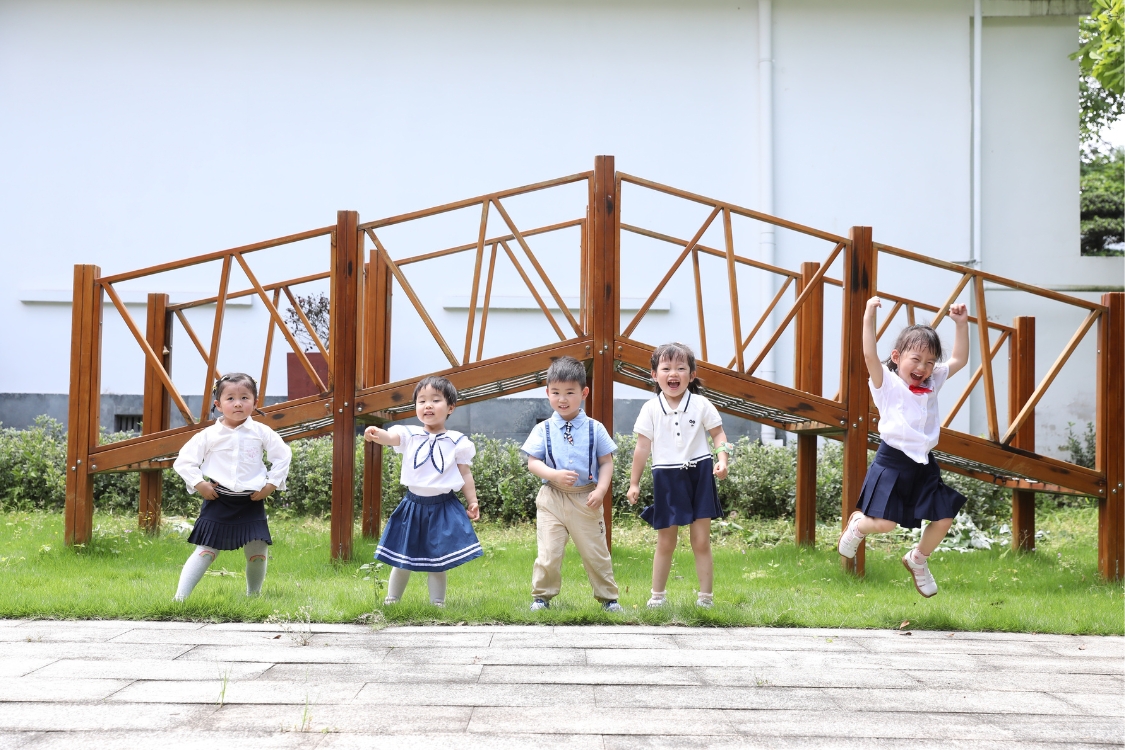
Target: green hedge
(762,480)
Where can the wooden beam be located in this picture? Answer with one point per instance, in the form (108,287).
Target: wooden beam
(1021,384)
(377,332)
(347,262)
(264,380)
(859,286)
(488,301)
(604,302)
(809,377)
(1110,432)
(157,408)
(973,380)
(476,281)
(986,362)
(732,284)
(85,364)
(216,335)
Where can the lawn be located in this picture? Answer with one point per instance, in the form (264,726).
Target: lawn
(761,579)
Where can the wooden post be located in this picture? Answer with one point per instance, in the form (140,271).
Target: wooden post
(1021,384)
(809,377)
(605,311)
(84,406)
(859,286)
(1111,436)
(347,261)
(377,370)
(157,407)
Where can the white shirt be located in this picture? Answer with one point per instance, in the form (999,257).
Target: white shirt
(430,460)
(679,436)
(909,421)
(232,456)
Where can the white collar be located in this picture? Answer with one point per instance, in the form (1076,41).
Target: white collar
(683,406)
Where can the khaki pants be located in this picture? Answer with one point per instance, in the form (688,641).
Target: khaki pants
(562,512)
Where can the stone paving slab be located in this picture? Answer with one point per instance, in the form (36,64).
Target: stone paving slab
(140,684)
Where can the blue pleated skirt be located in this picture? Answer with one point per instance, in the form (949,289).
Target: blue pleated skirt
(900,489)
(683,495)
(230,521)
(428,534)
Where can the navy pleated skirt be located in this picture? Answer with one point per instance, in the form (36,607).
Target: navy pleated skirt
(683,495)
(230,521)
(428,534)
(900,489)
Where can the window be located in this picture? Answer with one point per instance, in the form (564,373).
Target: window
(126,422)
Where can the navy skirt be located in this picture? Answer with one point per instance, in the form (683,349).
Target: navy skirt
(230,521)
(900,489)
(428,534)
(683,495)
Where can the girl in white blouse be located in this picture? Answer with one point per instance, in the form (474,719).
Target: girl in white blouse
(223,463)
(903,485)
(430,530)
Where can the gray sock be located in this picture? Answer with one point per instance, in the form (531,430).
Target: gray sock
(257,559)
(396,584)
(194,569)
(436,582)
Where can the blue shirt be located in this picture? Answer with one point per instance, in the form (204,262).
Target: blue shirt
(589,441)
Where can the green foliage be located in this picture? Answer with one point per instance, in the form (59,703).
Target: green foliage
(33,466)
(1100,54)
(505,488)
(1103,202)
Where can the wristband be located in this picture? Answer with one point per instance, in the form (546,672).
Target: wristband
(727,448)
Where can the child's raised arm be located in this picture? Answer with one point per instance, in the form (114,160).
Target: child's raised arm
(870,349)
(378,435)
(959,314)
(640,458)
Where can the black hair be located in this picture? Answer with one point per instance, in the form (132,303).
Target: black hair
(674,352)
(920,337)
(439,384)
(567,370)
(234,378)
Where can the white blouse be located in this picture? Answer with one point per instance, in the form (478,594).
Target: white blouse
(679,436)
(430,460)
(907,420)
(232,456)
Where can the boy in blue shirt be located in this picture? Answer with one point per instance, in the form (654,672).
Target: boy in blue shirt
(573,455)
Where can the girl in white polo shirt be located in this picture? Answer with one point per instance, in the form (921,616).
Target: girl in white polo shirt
(673,427)
(903,485)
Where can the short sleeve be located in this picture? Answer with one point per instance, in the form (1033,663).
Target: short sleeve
(644,424)
(404,435)
(879,394)
(465,450)
(711,418)
(939,375)
(535,445)
(605,444)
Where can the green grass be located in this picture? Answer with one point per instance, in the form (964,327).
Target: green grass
(761,579)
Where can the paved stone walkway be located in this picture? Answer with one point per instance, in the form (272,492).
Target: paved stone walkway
(112,684)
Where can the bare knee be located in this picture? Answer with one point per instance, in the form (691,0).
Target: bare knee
(666,540)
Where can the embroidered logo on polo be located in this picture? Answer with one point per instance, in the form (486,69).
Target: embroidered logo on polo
(691,422)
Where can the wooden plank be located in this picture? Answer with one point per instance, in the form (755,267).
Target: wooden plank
(377,299)
(707,250)
(1029,407)
(157,409)
(150,356)
(216,335)
(699,305)
(277,285)
(604,302)
(1021,384)
(732,285)
(85,333)
(417,303)
(264,380)
(986,363)
(476,281)
(943,309)
(1110,430)
(859,287)
(346,265)
(973,381)
(671,272)
(194,339)
(887,320)
(764,317)
(488,300)
(809,377)
(306,323)
(489,241)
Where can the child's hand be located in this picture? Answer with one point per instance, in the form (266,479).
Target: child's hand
(959,313)
(207,490)
(633,493)
(566,478)
(474,511)
(371,434)
(872,303)
(595,498)
(720,471)
(263,493)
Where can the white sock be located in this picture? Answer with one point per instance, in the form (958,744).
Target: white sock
(658,595)
(257,559)
(196,565)
(396,584)
(917,556)
(436,582)
(705,597)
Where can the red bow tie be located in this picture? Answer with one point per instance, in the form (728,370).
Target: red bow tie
(919,389)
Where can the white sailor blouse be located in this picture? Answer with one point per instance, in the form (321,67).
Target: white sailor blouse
(430,460)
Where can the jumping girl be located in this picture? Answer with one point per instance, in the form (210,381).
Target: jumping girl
(429,530)
(903,486)
(673,427)
(223,463)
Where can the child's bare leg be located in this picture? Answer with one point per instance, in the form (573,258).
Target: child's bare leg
(662,558)
(868,525)
(701,548)
(933,534)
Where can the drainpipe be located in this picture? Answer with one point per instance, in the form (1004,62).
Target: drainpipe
(766,242)
(974,249)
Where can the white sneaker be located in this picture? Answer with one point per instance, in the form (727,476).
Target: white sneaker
(657,600)
(705,601)
(923,579)
(851,538)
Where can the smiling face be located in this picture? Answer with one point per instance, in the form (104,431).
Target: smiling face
(566,398)
(914,365)
(673,376)
(236,402)
(432,409)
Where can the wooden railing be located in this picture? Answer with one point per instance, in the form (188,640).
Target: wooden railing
(359,352)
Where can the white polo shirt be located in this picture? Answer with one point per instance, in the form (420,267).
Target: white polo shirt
(679,436)
(909,421)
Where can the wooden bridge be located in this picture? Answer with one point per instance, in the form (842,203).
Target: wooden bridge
(358,354)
